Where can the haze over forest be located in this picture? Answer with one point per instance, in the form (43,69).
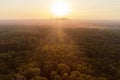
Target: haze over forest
(59,40)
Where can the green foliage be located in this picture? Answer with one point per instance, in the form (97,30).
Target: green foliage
(102,78)
(63,68)
(57,77)
(37,53)
(65,76)
(38,78)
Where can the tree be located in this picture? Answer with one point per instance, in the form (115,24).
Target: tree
(77,73)
(32,72)
(65,76)
(19,77)
(53,74)
(102,78)
(63,68)
(38,78)
(57,77)
(73,77)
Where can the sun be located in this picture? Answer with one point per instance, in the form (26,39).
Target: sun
(60,8)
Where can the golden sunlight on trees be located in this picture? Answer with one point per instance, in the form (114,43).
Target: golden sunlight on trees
(39,53)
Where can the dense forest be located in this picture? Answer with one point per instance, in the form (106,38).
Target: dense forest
(49,53)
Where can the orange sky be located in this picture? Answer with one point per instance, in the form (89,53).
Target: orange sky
(40,9)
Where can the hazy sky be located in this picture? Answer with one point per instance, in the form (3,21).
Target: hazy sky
(39,9)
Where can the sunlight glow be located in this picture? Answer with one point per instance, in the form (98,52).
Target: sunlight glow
(60,8)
